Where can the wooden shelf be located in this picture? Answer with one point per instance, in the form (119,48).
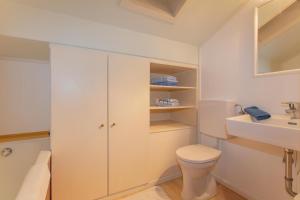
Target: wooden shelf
(158,108)
(24,136)
(174,118)
(167,125)
(169,68)
(170,88)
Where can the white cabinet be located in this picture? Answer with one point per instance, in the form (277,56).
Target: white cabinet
(78,109)
(100,122)
(101,136)
(129,121)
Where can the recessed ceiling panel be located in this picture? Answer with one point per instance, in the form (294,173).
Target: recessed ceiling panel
(166,10)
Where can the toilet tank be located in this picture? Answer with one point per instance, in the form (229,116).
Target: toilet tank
(212,117)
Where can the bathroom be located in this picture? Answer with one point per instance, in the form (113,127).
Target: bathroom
(211,47)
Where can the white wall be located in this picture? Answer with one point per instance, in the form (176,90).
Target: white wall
(228,73)
(25,96)
(24,106)
(31,23)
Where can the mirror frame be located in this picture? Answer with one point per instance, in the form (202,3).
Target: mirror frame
(256,74)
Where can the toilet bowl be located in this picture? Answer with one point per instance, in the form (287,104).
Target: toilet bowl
(196,163)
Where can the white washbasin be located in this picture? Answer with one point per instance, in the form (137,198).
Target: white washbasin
(279,130)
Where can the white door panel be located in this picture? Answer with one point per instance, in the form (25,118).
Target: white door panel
(79,107)
(129,110)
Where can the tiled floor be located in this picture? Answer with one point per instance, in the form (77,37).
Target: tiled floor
(173,190)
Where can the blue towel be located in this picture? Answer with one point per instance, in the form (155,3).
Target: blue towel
(166,83)
(257,113)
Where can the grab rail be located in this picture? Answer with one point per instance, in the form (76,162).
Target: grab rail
(24,136)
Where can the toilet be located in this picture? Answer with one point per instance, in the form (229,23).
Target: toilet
(197,161)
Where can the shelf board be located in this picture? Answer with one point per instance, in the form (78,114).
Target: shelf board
(170,88)
(169,68)
(167,125)
(158,108)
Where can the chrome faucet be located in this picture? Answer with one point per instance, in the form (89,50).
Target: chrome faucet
(240,109)
(293,110)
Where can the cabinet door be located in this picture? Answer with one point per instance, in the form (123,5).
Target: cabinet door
(79,123)
(128,121)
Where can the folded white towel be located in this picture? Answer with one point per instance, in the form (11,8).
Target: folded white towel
(167,102)
(35,184)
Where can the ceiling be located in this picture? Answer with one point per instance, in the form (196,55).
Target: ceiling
(195,22)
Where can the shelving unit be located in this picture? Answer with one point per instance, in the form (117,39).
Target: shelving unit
(158,66)
(164,119)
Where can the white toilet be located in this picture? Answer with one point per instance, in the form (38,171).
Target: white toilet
(197,161)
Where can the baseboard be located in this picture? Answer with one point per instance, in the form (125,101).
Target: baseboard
(231,186)
(142,187)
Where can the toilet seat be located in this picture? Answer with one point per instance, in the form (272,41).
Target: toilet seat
(198,154)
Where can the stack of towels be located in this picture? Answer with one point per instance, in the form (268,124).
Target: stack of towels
(163,79)
(167,102)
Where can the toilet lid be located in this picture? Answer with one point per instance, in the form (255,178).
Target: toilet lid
(198,153)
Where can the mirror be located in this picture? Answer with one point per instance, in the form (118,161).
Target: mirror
(278,37)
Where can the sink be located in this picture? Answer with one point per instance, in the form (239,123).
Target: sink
(279,130)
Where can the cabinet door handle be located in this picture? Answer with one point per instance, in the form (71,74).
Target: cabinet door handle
(113,124)
(101,126)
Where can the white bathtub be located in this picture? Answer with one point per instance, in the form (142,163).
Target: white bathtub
(36,184)
(14,168)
